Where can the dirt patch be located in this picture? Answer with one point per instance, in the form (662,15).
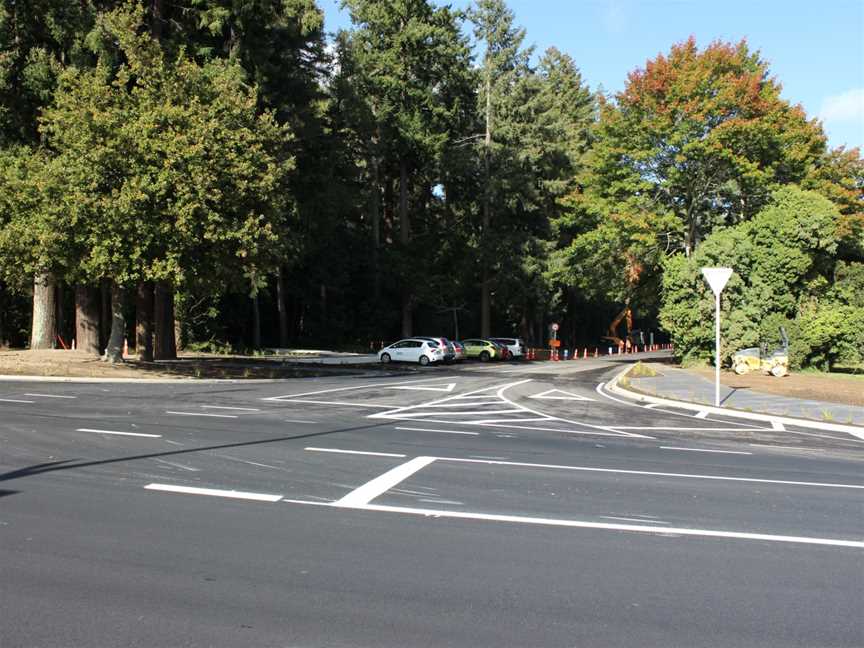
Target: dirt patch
(831,388)
(76,364)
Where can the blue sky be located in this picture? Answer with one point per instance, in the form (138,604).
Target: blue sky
(815,49)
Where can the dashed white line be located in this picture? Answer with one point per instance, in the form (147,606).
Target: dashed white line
(228,416)
(300,421)
(355,452)
(705,450)
(51,396)
(370,490)
(134,434)
(15,400)
(224,407)
(413,429)
(214,492)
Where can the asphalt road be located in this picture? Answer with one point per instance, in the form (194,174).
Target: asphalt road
(479,505)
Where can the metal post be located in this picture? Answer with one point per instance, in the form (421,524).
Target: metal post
(717,350)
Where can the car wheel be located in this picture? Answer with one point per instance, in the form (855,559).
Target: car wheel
(424,360)
(484,356)
(741,368)
(385,358)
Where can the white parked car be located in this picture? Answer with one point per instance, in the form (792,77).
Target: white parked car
(516,346)
(419,350)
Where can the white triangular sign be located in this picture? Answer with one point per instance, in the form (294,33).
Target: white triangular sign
(717,278)
(557,394)
(436,388)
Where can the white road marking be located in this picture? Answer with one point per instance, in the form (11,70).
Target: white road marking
(705,450)
(436,388)
(213,492)
(177,465)
(135,434)
(441,501)
(553,394)
(223,407)
(626,519)
(300,421)
(782,447)
(355,452)
(51,396)
(489,423)
(777,425)
(231,416)
(251,463)
(469,413)
(15,400)
(685,429)
(701,415)
(339,389)
(370,490)
(338,403)
(413,429)
(653,474)
(832,542)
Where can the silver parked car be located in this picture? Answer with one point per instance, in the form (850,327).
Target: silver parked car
(515,345)
(419,350)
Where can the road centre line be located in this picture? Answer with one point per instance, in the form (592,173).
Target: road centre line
(442,431)
(214,492)
(622,471)
(370,490)
(231,416)
(223,407)
(338,389)
(705,450)
(356,452)
(15,400)
(637,528)
(51,396)
(135,434)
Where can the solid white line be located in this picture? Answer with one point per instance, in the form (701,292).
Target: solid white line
(416,414)
(626,519)
(50,396)
(686,429)
(490,423)
(370,490)
(15,400)
(442,431)
(222,407)
(654,474)
(701,415)
(300,421)
(705,450)
(213,492)
(782,447)
(832,542)
(338,389)
(355,452)
(135,434)
(341,404)
(777,425)
(231,416)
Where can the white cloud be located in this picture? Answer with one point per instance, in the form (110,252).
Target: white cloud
(845,107)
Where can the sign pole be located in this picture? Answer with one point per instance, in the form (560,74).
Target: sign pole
(717,278)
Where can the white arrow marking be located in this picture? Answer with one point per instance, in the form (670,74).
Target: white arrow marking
(436,388)
(558,394)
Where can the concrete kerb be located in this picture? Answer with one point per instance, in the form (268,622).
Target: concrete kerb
(613,386)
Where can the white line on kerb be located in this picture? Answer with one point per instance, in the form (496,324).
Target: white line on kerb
(231,416)
(14,400)
(413,429)
(356,452)
(370,490)
(223,407)
(213,492)
(50,396)
(135,434)
(706,450)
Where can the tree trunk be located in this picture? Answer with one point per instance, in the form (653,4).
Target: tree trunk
(114,351)
(44,329)
(61,314)
(87,320)
(256,322)
(405,238)
(165,347)
(104,315)
(144,321)
(282,308)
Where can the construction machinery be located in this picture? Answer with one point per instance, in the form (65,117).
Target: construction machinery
(775,363)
